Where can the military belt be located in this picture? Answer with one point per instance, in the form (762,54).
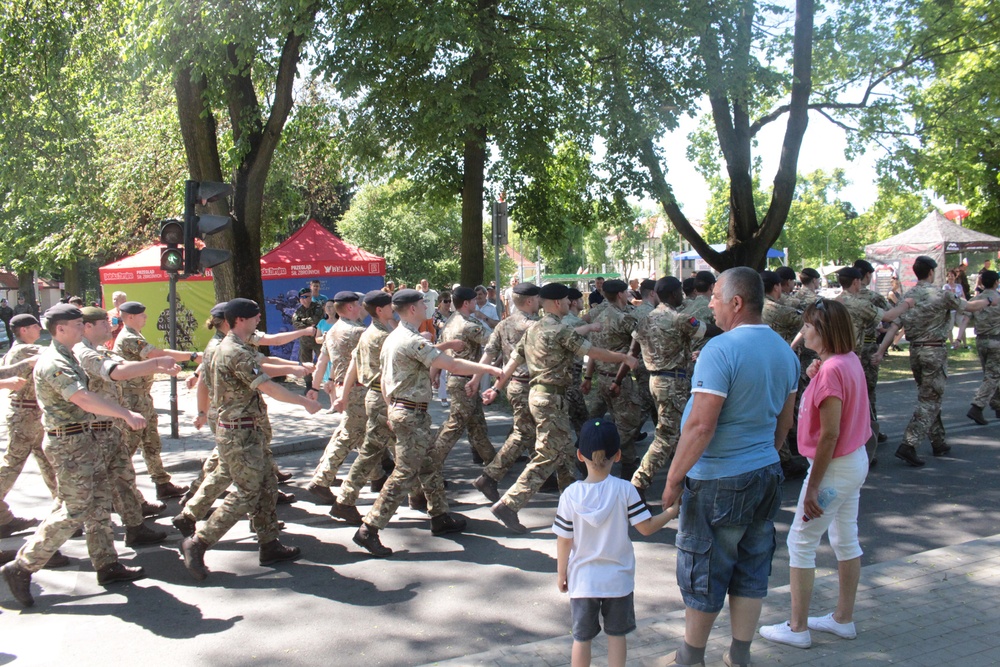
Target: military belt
(23,403)
(869,340)
(105,425)
(68,429)
(409,405)
(245,422)
(983,336)
(549,389)
(376,387)
(675,373)
(938,343)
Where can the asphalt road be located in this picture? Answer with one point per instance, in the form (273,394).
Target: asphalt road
(437,597)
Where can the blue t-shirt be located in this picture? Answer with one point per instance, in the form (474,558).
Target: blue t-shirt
(755,370)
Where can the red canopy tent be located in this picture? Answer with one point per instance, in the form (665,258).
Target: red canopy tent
(313,252)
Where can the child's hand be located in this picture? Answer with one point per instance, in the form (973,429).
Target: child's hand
(673,511)
(563,585)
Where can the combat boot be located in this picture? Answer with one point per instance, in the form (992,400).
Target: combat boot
(185,525)
(17,525)
(57,560)
(142,534)
(282,476)
(110,574)
(322,494)
(19,582)
(418,501)
(477,459)
(366,537)
(284,498)
(169,490)
(975,413)
(193,551)
(508,516)
(488,487)
(346,513)
(275,552)
(156,508)
(442,524)
(550,485)
(377,484)
(909,454)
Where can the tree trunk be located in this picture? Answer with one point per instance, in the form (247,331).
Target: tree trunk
(71,278)
(26,287)
(473,179)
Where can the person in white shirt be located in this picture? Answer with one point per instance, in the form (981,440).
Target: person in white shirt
(485,311)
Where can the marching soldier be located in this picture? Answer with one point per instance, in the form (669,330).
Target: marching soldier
(649,301)
(870,346)
(988,346)
(575,400)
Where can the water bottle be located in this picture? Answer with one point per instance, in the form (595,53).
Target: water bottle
(825,497)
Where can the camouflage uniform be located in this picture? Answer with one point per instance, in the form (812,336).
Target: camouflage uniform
(131,346)
(988,346)
(303,318)
(98,363)
(578,412)
(666,337)
(870,346)
(926,325)
(864,316)
(698,309)
(501,345)
(786,321)
(405,358)
(24,432)
(212,462)
(548,349)
(242,443)
(339,344)
(803,298)
(466,412)
(641,373)
(378,438)
(626,408)
(83,495)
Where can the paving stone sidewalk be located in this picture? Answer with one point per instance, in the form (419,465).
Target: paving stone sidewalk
(938,607)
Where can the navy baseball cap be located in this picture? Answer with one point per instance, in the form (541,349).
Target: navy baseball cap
(599,435)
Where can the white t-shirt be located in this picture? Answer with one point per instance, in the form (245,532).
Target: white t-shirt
(596,516)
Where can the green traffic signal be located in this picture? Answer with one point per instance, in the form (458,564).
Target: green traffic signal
(172,260)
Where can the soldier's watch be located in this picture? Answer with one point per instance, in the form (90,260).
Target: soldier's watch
(194,355)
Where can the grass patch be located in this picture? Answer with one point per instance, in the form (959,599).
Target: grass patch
(896,365)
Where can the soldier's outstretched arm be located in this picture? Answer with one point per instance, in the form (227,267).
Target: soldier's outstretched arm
(461,366)
(623,369)
(127,370)
(503,378)
(16,369)
(177,355)
(202,398)
(609,357)
(279,393)
(13,384)
(321,363)
(99,405)
(285,337)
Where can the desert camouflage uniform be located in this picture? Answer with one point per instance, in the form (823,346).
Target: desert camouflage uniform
(466,411)
(98,362)
(83,495)
(378,438)
(665,338)
(870,346)
(988,346)
(626,408)
(406,359)
(131,346)
(501,346)
(24,431)
(548,348)
(339,344)
(242,443)
(926,325)
(578,412)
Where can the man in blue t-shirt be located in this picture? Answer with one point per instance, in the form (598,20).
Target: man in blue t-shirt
(728,470)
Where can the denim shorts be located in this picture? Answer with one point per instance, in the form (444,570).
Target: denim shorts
(725,538)
(619,616)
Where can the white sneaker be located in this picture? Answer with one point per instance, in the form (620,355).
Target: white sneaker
(827,624)
(782,633)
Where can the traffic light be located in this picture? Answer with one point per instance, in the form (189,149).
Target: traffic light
(172,236)
(196,227)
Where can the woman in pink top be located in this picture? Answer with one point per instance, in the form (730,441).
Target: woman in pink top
(834,424)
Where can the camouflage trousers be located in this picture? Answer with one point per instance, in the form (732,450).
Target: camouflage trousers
(413,444)
(378,440)
(577,402)
(871,374)
(648,403)
(83,498)
(348,436)
(245,457)
(24,439)
(554,450)
(930,370)
(466,414)
(989,358)
(125,496)
(521,436)
(625,409)
(671,396)
(147,440)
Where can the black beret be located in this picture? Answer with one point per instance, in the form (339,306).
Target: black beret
(863,266)
(132,308)
(63,312)
(305,291)
(987,276)
(22,320)
(785,273)
(614,286)
(705,276)
(924,259)
(377,298)
(219,310)
(554,291)
(527,289)
(574,294)
(847,275)
(647,284)
(688,284)
(810,273)
(463,294)
(91,314)
(345,297)
(770,279)
(241,308)
(405,297)
(668,285)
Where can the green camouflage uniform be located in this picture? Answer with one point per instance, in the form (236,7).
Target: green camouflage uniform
(870,346)
(466,411)
(926,325)
(24,431)
(548,348)
(626,408)
(131,346)
(99,363)
(406,359)
(988,346)
(83,494)
(864,317)
(378,438)
(339,344)
(303,318)
(666,337)
(501,346)
(242,443)
(578,412)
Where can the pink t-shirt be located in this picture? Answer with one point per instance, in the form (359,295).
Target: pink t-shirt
(840,376)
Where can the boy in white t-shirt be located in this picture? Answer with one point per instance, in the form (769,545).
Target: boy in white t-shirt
(595,557)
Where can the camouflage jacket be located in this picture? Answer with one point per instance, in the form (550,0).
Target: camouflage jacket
(303,318)
(864,317)
(784,320)
(58,375)
(615,334)
(549,348)
(99,363)
(988,319)
(367,353)
(927,321)
(666,337)
(406,359)
(236,376)
(339,343)
(19,352)
(131,346)
(470,331)
(506,336)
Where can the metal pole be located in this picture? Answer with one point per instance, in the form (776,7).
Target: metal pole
(501,306)
(174,432)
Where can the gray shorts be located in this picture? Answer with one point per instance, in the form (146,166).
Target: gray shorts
(619,616)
